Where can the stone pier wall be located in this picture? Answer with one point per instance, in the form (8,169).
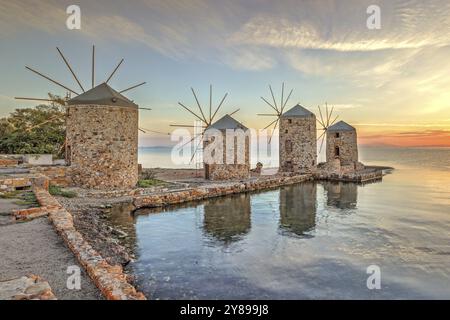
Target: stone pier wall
(168,198)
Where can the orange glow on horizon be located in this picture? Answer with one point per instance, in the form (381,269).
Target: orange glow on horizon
(426,138)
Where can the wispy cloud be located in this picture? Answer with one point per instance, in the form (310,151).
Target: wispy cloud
(400,71)
(415,23)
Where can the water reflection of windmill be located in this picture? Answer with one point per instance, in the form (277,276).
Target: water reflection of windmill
(101,131)
(202,122)
(228,219)
(342,195)
(326,122)
(277,109)
(298,206)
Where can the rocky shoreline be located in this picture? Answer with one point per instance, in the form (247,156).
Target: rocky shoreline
(92,219)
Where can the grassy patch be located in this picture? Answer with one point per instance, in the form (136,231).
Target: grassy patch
(147,183)
(10,194)
(27,199)
(58,191)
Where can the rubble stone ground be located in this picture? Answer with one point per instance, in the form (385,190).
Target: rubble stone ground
(29,287)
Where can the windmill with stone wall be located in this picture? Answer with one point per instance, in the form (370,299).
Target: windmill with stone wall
(297,135)
(206,120)
(101,132)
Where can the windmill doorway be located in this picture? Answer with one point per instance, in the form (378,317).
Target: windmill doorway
(206,171)
(336,152)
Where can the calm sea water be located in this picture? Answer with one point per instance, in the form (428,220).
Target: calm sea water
(312,240)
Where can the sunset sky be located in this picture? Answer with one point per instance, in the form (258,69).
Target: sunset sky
(392,84)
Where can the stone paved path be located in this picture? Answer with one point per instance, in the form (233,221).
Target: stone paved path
(35,248)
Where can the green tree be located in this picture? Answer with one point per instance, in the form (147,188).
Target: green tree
(34,130)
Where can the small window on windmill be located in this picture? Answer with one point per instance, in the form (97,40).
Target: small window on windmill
(288,165)
(68,155)
(286,131)
(337,135)
(290,121)
(288,146)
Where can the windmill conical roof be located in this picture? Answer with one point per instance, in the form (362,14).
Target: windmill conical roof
(298,111)
(341,126)
(227,122)
(102,94)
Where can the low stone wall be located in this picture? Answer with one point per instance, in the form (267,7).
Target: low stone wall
(29,214)
(358,176)
(8,162)
(8,183)
(111,280)
(57,175)
(174,197)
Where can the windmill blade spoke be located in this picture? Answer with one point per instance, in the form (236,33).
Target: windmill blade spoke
(196,149)
(287,99)
(220,104)
(210,102)
(282,96)
(334,120)
(142,130)
(195,136)
(267,114)
(321,118)
(198,117)
(142,108)
(132,87)
(198,104)
(33,99)
(271,123)
(321,123)
(321,135)
(51,80)
(270,105)
(326,106)
(70,68)
(331,113)
(42,123)
(234,111)
(273,97)
(154,131)
(182,125)
(93,66)
(114,71)
(321,144)
(273,131)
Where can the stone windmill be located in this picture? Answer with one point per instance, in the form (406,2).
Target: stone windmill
(101,132)
(205,119)
(297,142)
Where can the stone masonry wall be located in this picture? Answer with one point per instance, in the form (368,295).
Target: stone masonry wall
(298,145)
(231,171)
(57,175)
(102,145)
(347,144)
